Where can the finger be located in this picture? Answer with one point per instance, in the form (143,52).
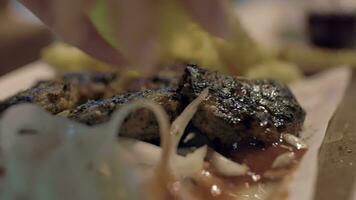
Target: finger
(212,15)
(93,44)
(64,16)
(136,27)
(41,8)
(69,20)
(69,17)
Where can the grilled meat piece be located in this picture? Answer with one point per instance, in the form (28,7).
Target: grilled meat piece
(140,124)
(65,92)
(54,96)
(84,86)
(238,109)
(166,77)
(92,85)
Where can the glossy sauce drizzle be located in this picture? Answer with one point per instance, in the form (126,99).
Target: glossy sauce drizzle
(211,185)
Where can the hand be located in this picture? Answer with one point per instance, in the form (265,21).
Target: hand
(136,24)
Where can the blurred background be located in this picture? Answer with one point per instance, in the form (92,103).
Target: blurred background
(309,33)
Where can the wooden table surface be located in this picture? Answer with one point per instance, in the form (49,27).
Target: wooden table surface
(337,159)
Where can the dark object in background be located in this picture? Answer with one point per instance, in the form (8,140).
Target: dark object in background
(3,5)
(332,30)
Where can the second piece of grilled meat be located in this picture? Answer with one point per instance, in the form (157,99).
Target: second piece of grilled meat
(238,109)
(140,124)
(92,86)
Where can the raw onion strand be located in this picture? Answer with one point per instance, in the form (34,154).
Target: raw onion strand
(163,122)
(180,123)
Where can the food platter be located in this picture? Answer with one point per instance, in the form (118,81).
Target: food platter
(330,85)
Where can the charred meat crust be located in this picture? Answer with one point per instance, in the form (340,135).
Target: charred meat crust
(167,77)
(91,85)
(66,92)
(237,108)
(139,124)
(73,89)
(54,96)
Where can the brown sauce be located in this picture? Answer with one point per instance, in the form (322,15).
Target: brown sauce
(211,185)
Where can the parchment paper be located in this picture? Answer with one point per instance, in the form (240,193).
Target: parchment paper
(319,96)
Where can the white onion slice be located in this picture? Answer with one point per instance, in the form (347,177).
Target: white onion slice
(143,154)
(189,164)
(180,123)
(138,152)
(189,137)
(162,118)
(146,154)
(226,166)
(294,141)
(75,152)
(283,160)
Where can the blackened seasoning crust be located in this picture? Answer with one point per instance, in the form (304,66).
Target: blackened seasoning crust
(92,85)
(140,124)
(65,92)
(54,96)
(238,109)
(166,77)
